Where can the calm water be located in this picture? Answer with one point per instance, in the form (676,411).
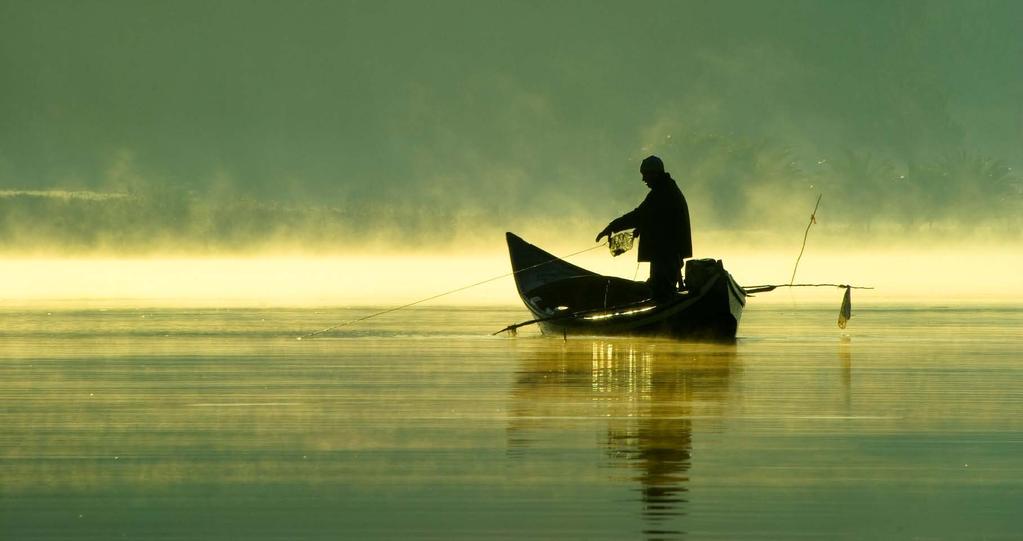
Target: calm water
(218,424)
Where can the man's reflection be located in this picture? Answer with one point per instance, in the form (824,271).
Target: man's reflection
(649,392)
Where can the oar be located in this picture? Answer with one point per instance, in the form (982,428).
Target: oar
(844,313)
(765,288)
(569,315)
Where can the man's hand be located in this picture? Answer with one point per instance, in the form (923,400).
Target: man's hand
(604,233)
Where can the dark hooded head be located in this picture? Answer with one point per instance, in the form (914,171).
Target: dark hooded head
(652,169)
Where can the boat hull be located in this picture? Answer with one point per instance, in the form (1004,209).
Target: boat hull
(570,300)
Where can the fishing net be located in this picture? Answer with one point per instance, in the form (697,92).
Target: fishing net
(620,242)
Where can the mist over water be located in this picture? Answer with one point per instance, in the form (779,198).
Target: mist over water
(322,127)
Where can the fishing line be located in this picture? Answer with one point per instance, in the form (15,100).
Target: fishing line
(439,295)
(813,220)
(845,312)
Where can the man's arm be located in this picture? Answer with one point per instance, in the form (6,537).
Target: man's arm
(629,220)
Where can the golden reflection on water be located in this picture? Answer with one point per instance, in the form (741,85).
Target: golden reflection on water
(649,393)
(218,424)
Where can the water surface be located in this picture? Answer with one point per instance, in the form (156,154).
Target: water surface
(213,424)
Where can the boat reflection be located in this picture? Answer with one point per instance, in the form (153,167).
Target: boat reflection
(643,397)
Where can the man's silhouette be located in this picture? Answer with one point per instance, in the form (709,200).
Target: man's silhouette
(662,224)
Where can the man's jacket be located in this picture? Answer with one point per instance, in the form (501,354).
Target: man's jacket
(661,221)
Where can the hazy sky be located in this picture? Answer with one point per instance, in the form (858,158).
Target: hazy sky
(253,118)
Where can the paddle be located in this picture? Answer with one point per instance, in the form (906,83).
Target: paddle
(570,315)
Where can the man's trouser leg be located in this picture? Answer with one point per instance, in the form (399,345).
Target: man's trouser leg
(665,274)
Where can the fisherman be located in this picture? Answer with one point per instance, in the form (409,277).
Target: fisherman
(661,222)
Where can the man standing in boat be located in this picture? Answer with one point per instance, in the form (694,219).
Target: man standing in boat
(661,222)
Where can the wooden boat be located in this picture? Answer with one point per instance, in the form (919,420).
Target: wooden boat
(567,299)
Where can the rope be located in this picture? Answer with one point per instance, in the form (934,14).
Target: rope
(439,295)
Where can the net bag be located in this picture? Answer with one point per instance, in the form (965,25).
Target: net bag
(620,242)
